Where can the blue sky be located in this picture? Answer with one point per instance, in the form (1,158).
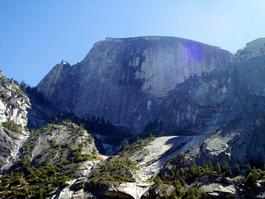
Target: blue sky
(35,35)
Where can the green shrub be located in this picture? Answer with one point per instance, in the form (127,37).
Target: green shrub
(139,144)
(252,178)
(34,133)
(179,188)
(79,157)
(37,182)
(115,170)
(12,126)
(193,193)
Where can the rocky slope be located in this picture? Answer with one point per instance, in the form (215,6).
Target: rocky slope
(130,173)
(206,181)
(14,105)
(140,71)
(48,160)
(37,163)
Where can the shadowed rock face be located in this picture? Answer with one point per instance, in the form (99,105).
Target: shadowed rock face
(240,139)
(124,80)
(198,104)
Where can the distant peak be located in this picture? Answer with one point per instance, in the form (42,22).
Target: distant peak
(63,62)
(253,49)
(257,43)
(1,73)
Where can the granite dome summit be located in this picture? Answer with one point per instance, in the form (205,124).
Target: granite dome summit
(124,80)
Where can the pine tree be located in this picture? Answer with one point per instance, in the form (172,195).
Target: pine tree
(228,170)
(219,169)
(125,144)
(238,169)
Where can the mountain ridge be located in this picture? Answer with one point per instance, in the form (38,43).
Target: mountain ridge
(193,128)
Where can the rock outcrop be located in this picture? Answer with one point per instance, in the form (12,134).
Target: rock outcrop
(14,103)
(10,144)
(253,49)
(58,142)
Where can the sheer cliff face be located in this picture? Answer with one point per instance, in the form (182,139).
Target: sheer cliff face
(124,80)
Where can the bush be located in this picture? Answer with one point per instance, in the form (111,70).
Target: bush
(252,178)
(79,157)
(193,193)
(115,171)
(37,182)
(179,188)
(12,126)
